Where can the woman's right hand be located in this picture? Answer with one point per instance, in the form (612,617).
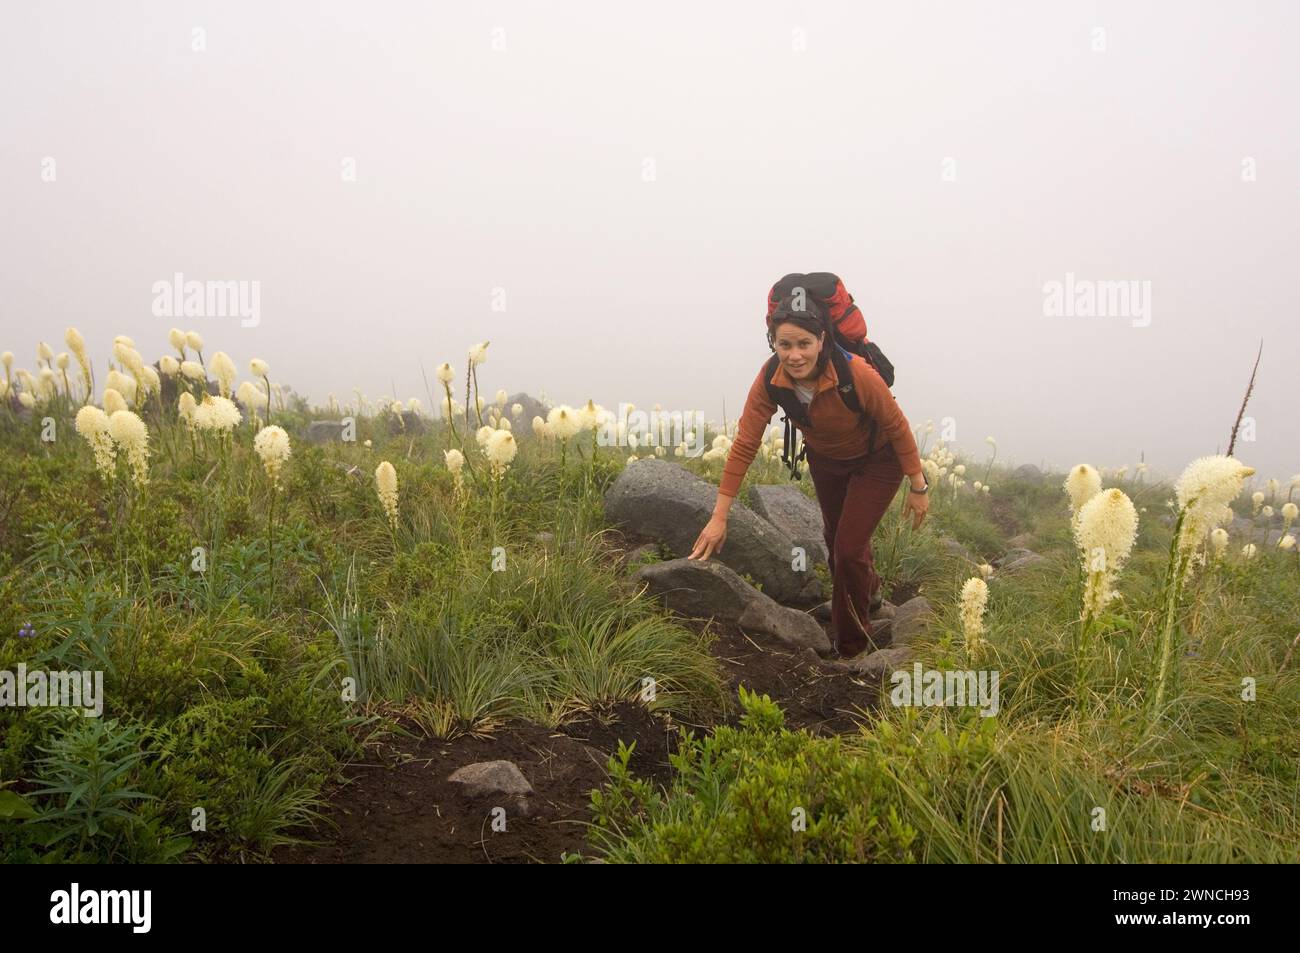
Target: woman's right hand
(710,539)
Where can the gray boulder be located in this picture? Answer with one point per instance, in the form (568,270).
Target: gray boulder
(532,407)
(324,431)
(409,423)
(795,514)
(664,501)
(1027,471)
(911,618)
(709,590)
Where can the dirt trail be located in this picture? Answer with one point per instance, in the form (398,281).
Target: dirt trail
(398,807)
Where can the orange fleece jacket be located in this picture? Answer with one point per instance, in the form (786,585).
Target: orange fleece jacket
(836,432)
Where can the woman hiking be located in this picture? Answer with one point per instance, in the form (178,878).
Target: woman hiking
(857,457)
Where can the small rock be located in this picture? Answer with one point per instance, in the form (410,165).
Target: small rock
(954,548)
(1025,561)
(492,777)
(879,665)
(1027,471)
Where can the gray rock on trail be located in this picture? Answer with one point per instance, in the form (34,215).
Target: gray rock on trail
(1014,560)
(665,501)
(324,431)
(954,548)
(491,777)
(708,589)
(911,618)
(881,664)
(795,514)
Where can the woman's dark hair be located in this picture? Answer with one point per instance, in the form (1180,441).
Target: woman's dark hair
(810,321)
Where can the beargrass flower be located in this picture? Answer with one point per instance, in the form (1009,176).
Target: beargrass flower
(272,445)
(1203,492)
(218,414)
(1248,551)
(223,369)
(1082,484)
(1105,531)
(386,487)
(176,338)
(185,407)
(500,450)
(113,401)
(1219,542)
(456,464)
(93,425)
(123,384)
(563,421)
(194,371)
(132,436)
(974,598)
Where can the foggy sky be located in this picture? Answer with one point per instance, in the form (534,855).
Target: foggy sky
(524,169)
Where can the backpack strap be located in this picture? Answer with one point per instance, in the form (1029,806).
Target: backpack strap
(848,390)
(796,412)
(794,409)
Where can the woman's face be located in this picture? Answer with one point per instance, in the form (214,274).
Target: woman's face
(798,350)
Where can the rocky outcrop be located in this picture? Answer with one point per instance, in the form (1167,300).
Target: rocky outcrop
(705,589)
(795,514)
(660,500)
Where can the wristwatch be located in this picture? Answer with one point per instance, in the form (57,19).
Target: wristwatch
(912,488)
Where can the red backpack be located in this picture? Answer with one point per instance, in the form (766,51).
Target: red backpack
(822,293)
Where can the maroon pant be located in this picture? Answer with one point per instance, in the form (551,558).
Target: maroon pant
(853,495)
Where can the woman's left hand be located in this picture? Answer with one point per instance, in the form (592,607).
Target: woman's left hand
(918,504)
